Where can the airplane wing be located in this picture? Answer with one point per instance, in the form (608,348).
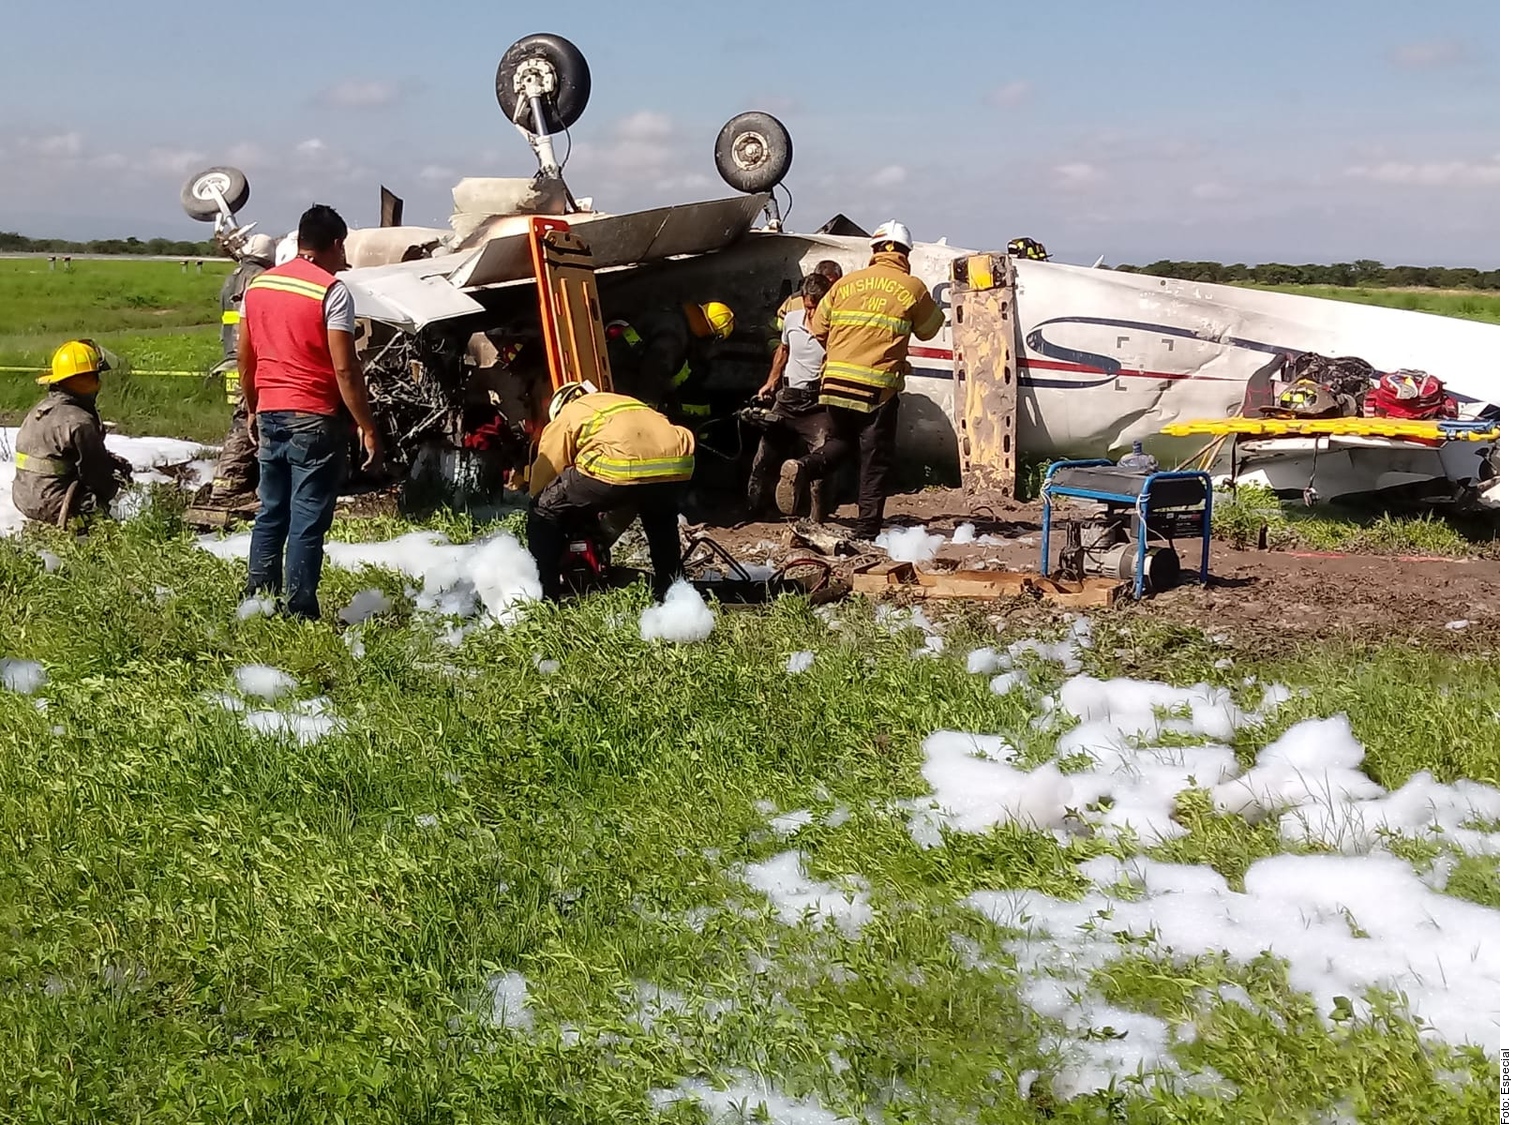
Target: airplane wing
(411,295)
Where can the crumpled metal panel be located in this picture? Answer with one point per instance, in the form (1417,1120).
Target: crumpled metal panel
(622,240)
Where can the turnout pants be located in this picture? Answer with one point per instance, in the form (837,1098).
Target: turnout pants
(870,437)
(237,467)
(574,500)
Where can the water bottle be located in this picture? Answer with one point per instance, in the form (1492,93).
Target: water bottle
(1136,461)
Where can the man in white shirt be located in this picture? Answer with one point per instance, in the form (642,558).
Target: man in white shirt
(793,387)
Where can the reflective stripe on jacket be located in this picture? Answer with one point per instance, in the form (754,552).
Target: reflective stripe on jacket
(865,322)
(233,290)
(61,441)
(284,315)
(614,439)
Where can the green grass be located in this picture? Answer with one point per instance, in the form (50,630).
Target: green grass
(148,314)
(1466,304)
(105,297)
(202,924)
(1241,515)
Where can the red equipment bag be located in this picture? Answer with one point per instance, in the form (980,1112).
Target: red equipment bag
(1410,394)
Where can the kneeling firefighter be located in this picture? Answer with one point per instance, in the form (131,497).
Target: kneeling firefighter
(62,466)
(236,480)
(662,359)
(602,452)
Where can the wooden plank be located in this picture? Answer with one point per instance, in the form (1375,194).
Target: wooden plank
(986,380)
(877,578)
(982,585)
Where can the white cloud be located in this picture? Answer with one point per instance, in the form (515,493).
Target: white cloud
(59,146)
(1446,173)
(1210,190)
(172,162)
(1428,54)
(246,155)
(436,173)
(1078,174)
(356,93)
(1009,95)
(891,175)
(315,146)
(645,125)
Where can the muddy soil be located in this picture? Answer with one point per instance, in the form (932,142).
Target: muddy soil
(1270,600)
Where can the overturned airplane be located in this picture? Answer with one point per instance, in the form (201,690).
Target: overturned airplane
(455,330)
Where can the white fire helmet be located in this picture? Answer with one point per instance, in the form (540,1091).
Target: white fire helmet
(288,249)
(892,231)
(259,248)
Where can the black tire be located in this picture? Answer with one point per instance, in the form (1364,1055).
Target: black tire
(201,206)
(568,64)
(753,152)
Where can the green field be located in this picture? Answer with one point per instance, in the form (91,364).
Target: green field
(1466,304)
(208,924)
(150,315)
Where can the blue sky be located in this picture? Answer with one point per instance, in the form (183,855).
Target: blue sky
(1291,131)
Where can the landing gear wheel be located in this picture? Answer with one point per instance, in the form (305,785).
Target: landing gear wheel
(561,70)
(199,202)
(753,152)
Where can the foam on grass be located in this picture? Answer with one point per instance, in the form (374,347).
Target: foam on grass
(744,1098)
(1344,925)
(489,577)
(263,681)
(306,722)
(799,662)
(510,1002)
(1310,776)
(24,676)
(364,604)
(795,896)
(682,617)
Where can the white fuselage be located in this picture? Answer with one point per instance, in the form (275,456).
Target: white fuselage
(1106,358)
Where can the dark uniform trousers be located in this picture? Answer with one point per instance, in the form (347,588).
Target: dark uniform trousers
(870,436)
(575,501)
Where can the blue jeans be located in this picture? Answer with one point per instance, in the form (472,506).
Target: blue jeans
(299,470)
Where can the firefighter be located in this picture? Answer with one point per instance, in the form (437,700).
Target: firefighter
(662,360)
(236,480)
(826,268)
(793,387)
(603,452)
(865,322)
(62,466)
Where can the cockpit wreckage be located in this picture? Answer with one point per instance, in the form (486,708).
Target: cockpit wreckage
(465,331)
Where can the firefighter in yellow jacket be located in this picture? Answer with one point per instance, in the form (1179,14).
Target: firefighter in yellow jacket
(865,322)
(602,452)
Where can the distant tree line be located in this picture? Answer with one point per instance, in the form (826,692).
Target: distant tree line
(1364,272)
(12,243)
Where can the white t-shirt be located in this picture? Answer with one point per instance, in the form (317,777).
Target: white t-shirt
(338,307)
(803,368)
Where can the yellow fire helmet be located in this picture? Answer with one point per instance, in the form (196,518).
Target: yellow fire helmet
(720,318)
(77,357)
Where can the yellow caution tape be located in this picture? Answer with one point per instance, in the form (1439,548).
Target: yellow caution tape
(126,371)
(1330,427)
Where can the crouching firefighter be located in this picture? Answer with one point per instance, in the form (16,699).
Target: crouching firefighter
(604,452)
(62,466)
(236,479)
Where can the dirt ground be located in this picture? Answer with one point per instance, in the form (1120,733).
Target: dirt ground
(1266,600)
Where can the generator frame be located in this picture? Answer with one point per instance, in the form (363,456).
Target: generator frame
(1143,502)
